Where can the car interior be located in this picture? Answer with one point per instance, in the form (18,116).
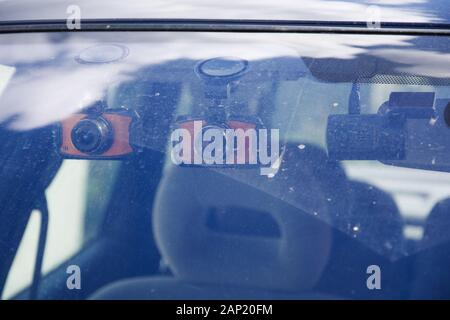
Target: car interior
(163,231)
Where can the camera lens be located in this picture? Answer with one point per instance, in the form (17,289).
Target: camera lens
(92,136)
(219,128)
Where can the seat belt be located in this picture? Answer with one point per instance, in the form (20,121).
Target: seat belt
(42,207)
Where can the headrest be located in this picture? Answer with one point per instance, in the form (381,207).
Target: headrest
(234,227)
(430,268)
(437,224)
(375,219)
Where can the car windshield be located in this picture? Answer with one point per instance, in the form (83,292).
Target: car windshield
(409,11)
(249,164)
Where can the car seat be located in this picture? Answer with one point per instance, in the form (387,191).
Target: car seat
(231,233)
(381,227)
(371,233)
(431,272)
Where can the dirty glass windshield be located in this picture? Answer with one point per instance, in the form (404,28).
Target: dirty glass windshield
(279,165)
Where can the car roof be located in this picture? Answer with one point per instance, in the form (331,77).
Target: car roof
(402,11)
